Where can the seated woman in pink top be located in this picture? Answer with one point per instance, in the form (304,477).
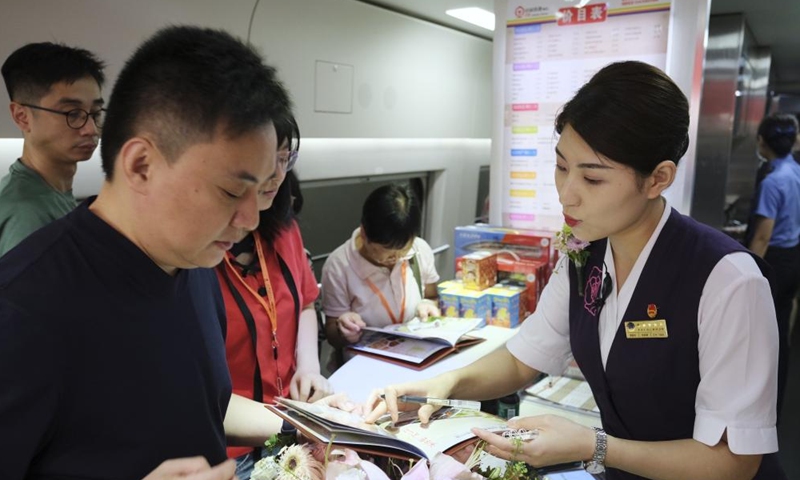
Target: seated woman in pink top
(384,273)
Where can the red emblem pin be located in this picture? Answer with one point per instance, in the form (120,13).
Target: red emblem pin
(652,310)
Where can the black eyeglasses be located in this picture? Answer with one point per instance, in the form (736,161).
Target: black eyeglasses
(287,160)
(605,291)
(77,117)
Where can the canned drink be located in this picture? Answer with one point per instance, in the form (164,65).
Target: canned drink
(508,406)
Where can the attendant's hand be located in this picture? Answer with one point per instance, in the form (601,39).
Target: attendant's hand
(350,325)
(194,468)
(309,386)
(559,441)
(427,308)
(434,387)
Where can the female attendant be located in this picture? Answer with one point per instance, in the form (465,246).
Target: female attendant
(673,325)
(269,292)
(384,273)
(776,224)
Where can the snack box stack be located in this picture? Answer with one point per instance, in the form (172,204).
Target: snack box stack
(524,258)
(455,300)
(500,305)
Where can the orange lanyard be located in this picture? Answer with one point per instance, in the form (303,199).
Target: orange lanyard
(269,306)
(385,303)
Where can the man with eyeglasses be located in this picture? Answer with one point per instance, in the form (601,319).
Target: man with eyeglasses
(56,102)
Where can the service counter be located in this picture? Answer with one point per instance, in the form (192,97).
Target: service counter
(362,374)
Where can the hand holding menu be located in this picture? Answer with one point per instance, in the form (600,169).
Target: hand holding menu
(418,343)
(448,429)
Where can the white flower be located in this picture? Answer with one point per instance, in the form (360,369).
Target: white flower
(296,463)
(265,469)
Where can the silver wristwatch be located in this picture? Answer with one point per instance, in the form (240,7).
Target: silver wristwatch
(598,462)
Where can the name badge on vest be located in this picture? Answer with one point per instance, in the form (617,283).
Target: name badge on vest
(647,328)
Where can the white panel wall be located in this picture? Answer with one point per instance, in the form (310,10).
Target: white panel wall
(412,79)
(110,28)
(421,92)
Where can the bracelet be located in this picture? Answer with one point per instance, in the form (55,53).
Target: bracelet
(598,462)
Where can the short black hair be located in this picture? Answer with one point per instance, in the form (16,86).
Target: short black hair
(33,69)
(391,216)
(779,132)
(281,214)
(632,113)
(185,83)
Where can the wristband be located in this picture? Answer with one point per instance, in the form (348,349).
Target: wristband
(287,428)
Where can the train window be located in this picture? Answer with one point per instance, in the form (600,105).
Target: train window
(482,204)
(332,209)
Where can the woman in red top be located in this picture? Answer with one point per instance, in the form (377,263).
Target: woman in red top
(271,343)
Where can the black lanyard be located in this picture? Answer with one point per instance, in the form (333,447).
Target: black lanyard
(258,393)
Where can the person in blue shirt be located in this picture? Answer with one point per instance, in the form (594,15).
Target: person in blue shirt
(776,224)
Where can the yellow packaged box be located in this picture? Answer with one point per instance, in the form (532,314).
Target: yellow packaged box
(447,285)
(505,306)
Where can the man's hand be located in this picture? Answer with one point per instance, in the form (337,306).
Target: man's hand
(193,468)
(342,402)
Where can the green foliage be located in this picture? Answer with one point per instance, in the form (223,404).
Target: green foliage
(276,442)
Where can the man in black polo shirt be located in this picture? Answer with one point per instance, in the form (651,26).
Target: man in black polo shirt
(112,358)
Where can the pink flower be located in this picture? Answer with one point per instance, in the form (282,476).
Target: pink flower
(445,467)
(575,244)
(592,290)
(345,464)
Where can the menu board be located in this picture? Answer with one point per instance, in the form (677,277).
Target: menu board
(551,50)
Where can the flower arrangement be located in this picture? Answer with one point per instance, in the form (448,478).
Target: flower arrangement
(325,462)
(575,249)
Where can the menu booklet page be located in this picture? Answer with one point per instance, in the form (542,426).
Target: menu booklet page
(418,343)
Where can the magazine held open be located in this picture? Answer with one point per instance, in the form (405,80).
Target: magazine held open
(448,429)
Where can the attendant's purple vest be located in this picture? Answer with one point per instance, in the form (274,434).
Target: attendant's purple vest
(648,388)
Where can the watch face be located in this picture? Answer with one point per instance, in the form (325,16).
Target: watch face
(594,467)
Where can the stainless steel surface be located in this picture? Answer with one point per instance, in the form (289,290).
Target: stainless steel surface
(717,115)
(754,94)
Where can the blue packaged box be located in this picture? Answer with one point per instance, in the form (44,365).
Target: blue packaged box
(474,304)
(505,306)
(449,302)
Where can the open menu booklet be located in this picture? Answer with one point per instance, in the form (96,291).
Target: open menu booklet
(448,429)
(418,343)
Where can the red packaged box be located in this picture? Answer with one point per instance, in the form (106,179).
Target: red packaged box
(530,274)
